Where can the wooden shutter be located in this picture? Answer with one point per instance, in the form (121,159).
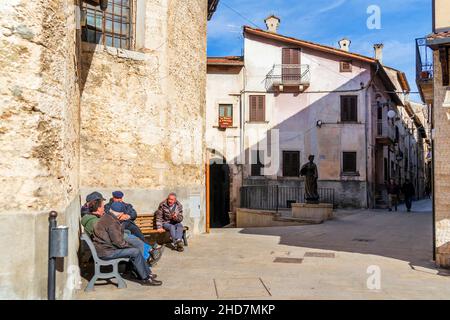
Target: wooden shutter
(349,162)
(257,108)
(290,56)
(349,108)
(353,108)
(253,108)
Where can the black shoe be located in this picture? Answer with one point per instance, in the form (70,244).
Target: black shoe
(390,210)
(150,282)
(180,246)
(153,276)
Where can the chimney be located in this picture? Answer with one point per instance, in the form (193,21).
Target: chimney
(272,23)
(378,47)
(344,44)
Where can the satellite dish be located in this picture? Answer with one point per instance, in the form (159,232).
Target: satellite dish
(391,114)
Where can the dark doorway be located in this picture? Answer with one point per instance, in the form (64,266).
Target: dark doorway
(219,198)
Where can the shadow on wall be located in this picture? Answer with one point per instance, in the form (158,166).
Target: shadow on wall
(398,236)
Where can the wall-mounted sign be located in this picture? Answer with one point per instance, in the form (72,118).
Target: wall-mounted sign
(225,122)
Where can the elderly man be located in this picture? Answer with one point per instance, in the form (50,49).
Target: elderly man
(169,217)
(110,243)
(128,217)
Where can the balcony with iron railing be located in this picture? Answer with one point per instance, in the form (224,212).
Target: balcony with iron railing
(290,76)
(424,69)
(385,133)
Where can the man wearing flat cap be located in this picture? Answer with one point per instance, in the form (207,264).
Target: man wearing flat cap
(129,216)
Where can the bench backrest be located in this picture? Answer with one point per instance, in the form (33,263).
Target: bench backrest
(90,244)
(146,222)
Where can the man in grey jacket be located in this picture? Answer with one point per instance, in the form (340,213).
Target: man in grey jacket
(169,217)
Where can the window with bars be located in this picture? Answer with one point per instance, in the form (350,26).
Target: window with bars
(112,27)
(345,66)
(349,162)
(349,108)
(257,108)
(291,163)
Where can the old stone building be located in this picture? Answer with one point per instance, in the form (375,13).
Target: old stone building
(95,95)
(433,79)
(287,98)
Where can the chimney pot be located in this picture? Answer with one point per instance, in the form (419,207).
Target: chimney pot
(272,23)
(344,44)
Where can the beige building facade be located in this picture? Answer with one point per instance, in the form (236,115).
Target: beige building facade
(87,104)
(295,98)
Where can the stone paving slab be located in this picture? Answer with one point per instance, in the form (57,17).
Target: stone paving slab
(401,248)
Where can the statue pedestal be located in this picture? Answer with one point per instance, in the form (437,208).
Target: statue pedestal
(317,213)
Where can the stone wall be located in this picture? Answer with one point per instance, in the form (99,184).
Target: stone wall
(441,167)
(142,127)
(136,113)
(39,135)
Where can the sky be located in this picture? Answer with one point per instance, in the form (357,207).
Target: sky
(328,21)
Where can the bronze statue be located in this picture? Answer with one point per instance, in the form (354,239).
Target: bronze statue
(309,171)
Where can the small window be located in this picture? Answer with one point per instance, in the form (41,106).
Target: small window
(257,163)
(257,108)
(225,115)
(111,27)
(349,162)
(346,66)
(349,108)
(291,163)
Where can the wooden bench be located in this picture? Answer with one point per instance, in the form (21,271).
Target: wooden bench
(147,223)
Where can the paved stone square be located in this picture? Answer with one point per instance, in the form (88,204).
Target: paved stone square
(326,261)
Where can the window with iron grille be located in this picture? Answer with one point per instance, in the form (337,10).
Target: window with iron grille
(345,66)
(112,27)
(349,162)
(349,108)
(291,163)
(257,108)
(257,163)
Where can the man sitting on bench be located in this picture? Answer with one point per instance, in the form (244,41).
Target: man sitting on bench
(110,244)
(93,210)
(169,217)
(128,217)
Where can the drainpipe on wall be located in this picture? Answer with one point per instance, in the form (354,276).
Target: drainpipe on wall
(242,120)
(368,120)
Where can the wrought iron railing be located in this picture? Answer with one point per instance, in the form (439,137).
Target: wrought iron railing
(288,75)
(278,197)
(424,60)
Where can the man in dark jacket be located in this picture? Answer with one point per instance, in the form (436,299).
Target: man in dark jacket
(393,191)
(409,192)
(128,218)
(169,217)
(110,243)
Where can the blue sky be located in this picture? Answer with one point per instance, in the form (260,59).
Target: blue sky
(326,22)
